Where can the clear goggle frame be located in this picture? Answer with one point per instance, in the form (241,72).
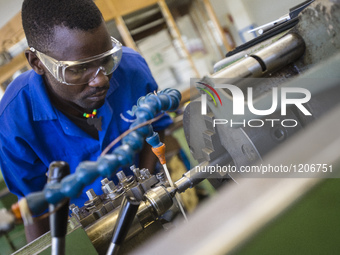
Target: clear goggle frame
(85,70)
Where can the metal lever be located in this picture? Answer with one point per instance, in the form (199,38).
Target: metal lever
(125,218)
(58,220)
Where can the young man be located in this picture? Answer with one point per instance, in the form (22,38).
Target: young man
(77,68)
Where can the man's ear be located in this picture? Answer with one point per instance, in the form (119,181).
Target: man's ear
(34,62)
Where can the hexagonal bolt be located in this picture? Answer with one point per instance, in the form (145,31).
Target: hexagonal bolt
(104,181)
(91,194)
(160,177)
(121,176)
(108,187)
(135,170)
(145,173)
(74,209)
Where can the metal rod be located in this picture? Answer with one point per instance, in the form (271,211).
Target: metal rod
(279,54)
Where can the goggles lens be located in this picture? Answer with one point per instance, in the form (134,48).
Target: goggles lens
(83,71)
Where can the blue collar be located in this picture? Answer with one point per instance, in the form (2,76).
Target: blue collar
(42,107)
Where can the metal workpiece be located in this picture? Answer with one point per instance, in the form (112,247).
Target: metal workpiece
(283,52)
(198,173)
(248,67)
(160,200)
(188,179)
(145,213)
(172,191)
(277,55)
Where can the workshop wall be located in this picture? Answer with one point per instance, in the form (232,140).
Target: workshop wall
(264,11)
(8,9)
(241,16)
(252,11)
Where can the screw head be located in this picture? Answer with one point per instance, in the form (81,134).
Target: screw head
(121,176)
(91,194)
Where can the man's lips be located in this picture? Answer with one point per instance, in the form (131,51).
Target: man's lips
(98,95)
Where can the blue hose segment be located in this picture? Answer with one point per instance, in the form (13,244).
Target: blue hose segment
(144,131)
(125,154)
(71,186)
(87,171)
(134,140)
(53,192)
(154,140)
(37,203)
(108,164)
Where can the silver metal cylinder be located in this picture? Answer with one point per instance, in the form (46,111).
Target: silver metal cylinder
(279,54)
(283,52)
(195,176)
(191,178)
(160,199)
(247,68)
(58,246)
(113,249)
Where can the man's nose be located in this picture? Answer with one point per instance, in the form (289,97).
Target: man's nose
(100,78)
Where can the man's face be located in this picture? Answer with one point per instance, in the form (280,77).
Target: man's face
(71,44)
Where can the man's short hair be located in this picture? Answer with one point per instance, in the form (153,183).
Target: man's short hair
(39,17)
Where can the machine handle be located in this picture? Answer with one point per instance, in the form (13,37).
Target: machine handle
(125,218)
(58,220)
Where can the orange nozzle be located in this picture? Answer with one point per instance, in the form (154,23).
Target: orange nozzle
(160,153)
(16,211)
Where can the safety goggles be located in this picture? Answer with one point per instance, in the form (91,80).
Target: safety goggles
(85,70)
